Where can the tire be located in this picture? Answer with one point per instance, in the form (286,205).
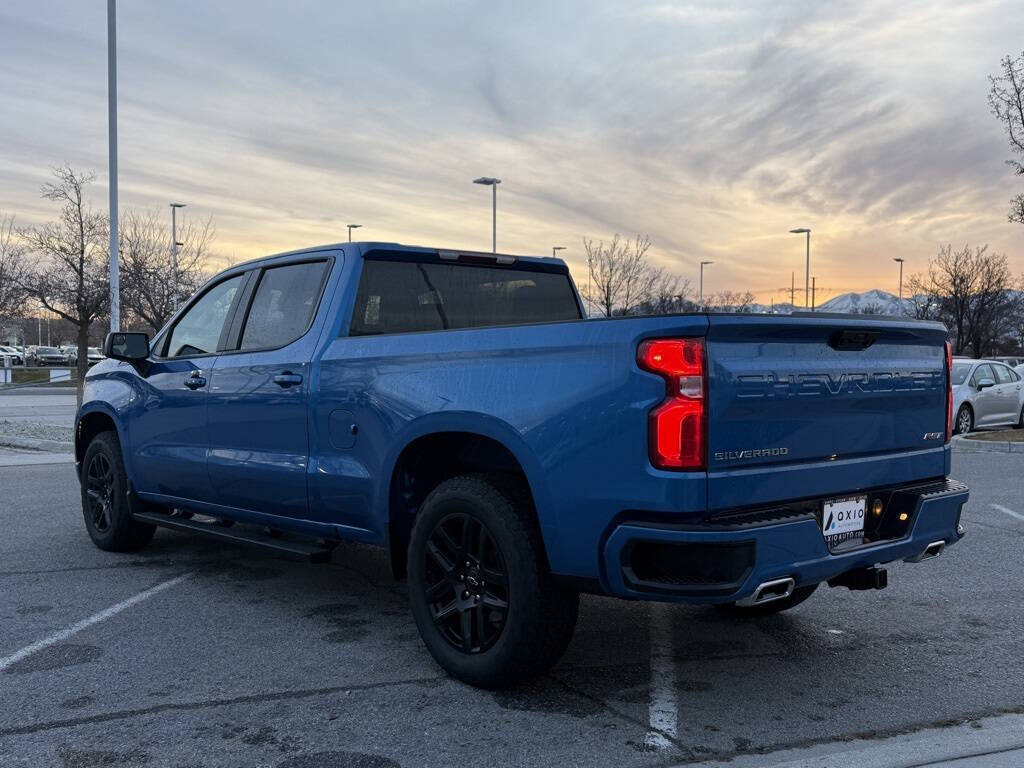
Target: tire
(105,498)
(503,618)
(775,606)
(964,420)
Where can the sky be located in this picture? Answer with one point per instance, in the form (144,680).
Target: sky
(713,128)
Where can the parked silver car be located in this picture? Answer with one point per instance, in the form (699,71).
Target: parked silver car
(986,393)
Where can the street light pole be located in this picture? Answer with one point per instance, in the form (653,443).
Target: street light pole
(174,251)
(490,181)
(807,276)
(350,228)
(555,249)
(115,287)
(701,299)
(901,282)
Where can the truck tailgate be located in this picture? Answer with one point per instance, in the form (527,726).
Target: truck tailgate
(801,406)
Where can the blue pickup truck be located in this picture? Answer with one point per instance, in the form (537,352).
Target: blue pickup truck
(459,410)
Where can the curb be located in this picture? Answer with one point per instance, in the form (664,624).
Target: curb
(34,444)
(967,445)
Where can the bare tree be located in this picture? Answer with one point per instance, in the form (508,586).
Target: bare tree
(1006,100)
(72,278)
(972,291)
(147,264)
(12,270)
(994,304)
(731,301)
(622,281)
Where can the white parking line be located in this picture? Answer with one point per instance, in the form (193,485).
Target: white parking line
(1006,511)
(664,709)
(96,618)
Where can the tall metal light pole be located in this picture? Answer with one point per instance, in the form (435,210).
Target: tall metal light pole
(701,299)
(115,282)
(555,249)
(807,277)
(174,250)
(350,228)
(490,181)
(901,282)
(814,281)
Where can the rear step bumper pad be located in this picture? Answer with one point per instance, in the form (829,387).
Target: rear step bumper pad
(794,548)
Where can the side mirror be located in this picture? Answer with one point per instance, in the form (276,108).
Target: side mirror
(985,384)
(130,346)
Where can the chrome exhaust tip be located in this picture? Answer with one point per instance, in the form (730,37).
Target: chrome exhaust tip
(932,550)
(766,592)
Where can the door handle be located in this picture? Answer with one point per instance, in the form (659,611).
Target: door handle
(287,379)
(196,380)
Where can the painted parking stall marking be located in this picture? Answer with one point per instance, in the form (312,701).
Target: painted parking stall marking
(96,618)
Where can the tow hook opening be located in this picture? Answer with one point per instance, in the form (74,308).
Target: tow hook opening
(872,577)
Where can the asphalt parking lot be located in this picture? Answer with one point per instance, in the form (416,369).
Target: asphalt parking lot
(217,656)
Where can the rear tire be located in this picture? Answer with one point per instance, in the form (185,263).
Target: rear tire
(964,420)
(486,605)
(1020,421)
(775,606)
(105,505)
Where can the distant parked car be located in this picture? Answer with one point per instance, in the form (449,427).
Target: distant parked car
(14,354)
(986,393)
(49,356)
(1019,370)
(1011,360)
(71,355)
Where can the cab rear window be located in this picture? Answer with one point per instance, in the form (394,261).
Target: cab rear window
(406,297)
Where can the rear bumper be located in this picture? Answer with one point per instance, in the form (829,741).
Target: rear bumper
(735,559)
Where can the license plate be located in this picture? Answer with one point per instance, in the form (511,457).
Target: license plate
(842,520)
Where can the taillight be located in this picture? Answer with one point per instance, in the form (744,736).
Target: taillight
(949,391)
(677,427)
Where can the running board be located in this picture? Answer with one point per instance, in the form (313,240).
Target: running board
(298,550)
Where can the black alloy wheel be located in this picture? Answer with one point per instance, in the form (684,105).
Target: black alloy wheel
(99,479)
(466,583)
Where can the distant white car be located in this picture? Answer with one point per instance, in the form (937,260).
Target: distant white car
(1019,370)
(986,393)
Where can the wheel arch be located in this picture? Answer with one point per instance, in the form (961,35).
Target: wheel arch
(440,449)
(93,420)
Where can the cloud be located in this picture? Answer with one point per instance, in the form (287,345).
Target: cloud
(714,127)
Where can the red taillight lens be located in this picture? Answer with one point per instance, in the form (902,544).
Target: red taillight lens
(677,428)
(949,391)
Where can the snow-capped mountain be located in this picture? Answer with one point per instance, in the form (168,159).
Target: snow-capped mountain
(874,302)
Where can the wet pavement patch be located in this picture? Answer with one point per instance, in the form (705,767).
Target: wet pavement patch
(56,657)
(29,610)
(338,760)
(77,702)
(91,758)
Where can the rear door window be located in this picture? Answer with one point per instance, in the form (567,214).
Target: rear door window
(283,306)
(1003,374)
(405,297)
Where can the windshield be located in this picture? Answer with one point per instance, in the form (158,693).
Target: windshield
(960,371)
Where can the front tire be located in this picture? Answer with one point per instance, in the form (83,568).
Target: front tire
(104,483)
(964,420)
(486,605)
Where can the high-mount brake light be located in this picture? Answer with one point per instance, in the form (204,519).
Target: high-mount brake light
(949,391)
(677,429)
